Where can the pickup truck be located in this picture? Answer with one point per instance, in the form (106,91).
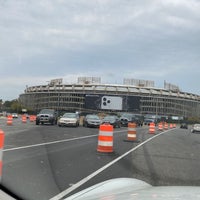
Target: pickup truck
(47,116)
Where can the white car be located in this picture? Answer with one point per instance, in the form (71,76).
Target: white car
(14,115)
(69,119)
(132,189)
(195,128)
(91,120)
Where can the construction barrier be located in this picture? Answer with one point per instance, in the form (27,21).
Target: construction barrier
(160,126)
(171,126)
(24,119)
(166,126)
(174,125)
(132,136)
(152,128)
(105,138)
(32,118)
(9,120)
(1,151)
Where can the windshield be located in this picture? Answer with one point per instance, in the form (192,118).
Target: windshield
(46,111)
(92,117)
(70,115)
(109,118)
(101,89)
(127,115)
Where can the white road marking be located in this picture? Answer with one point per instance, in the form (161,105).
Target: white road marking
(81,182)
(54,142)
(48,143)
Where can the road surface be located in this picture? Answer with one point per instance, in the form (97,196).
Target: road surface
(41,161)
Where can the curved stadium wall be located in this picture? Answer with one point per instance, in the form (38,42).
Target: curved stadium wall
(111,98)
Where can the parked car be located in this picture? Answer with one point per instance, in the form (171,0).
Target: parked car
(14,115)
(113,120)
(69,119)
(46,116)
(126,118)
(138,119)
(195,128)
(184,125)
(147,121)
(91,120)
(130,117)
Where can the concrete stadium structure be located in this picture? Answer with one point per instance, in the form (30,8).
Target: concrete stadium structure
(91,97)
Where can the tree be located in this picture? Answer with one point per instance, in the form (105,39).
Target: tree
(16,106)
(12,106)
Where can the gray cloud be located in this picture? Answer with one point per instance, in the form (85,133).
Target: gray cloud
(153,40)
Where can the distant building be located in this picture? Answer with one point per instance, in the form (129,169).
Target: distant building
(139,82)
(89,80)
(94,97)
(172,87)
(56,82)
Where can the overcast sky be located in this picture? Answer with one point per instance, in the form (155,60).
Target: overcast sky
(153,40)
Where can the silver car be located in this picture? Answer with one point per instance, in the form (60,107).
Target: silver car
(91,120)
(69,119)
(195,128)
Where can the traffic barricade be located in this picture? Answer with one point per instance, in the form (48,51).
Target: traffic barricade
(131,133)
(9,120)
(105,138)
(170,126)
(24,119)
(1,151)
(152,128)
(32,118)
(160,126)
(166,126)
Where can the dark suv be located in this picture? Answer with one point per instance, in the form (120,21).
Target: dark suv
(47,116)
(129,117)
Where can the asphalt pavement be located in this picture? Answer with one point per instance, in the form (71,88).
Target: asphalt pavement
(41,161)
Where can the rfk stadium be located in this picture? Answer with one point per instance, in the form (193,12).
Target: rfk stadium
(89,95)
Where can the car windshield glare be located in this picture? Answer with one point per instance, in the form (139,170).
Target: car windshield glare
(69,115)
(197,125)
(92,117)
(46,111)
(109,118)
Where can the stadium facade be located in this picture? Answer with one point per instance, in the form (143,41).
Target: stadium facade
(89,95)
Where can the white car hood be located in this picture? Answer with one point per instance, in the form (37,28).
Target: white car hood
(133,189)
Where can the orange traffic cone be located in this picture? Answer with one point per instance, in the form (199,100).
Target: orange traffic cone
(32,118)
(131,136)
(166,126)
(105,138)
(9,120)
(160,126)
(152,128)
(23,118)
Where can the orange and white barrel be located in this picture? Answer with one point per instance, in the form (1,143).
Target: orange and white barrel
(32,118)
(105,138)
(9,120)
(160,126)
(152,128)
(166,126)
(1,151)
(24,119)
(131,132)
